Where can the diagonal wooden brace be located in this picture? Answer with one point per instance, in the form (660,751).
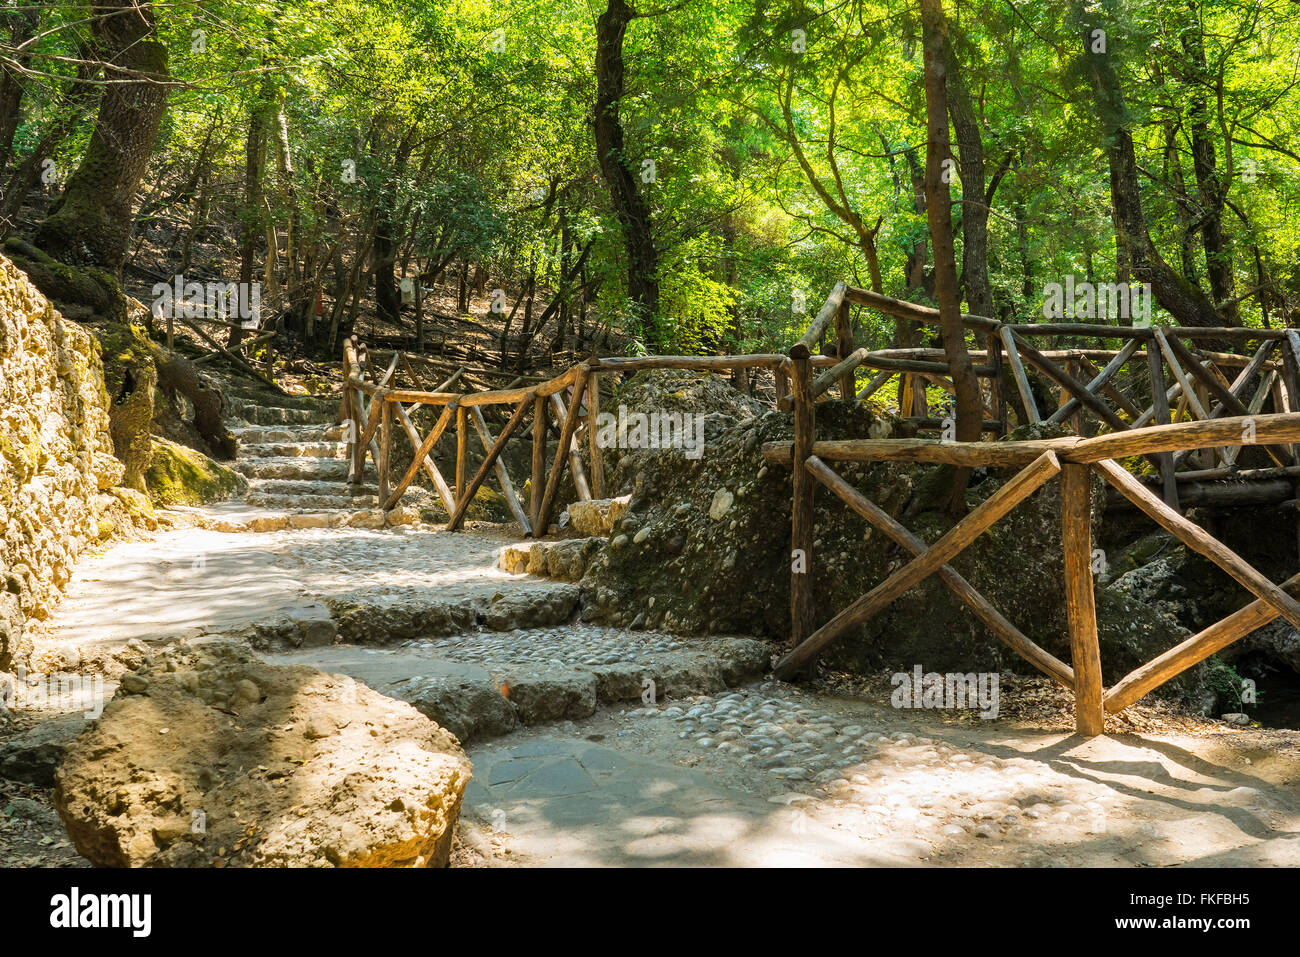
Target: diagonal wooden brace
(1025,483)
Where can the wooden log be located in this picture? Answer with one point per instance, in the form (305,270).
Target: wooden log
(837,373)
(593,430)
(356,471)
(498,397)
(1197,648)
(1020,487)
(781,382)
(463,499)
(1018,371)
(1080,607)
(844,343)
(1268,429)
(802,531)
(576,471)
(1173,392)
(933,422)
(997,388)
(698,363)
(431,469)
(804,347)
(421,453)
(543,523)
(377,404)
(1121,401)
(930,451)
(462,452)
(1075,330)
(1194,494)
(1160,405)
(385,447)
(537,480)
(992,619)
(874,385)
(503,474)
(1189,392)
(1200,541)
(1098,381)
(910,310)
(560,382)
(1070,383)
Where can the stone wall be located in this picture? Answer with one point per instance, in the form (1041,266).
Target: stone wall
(55,453)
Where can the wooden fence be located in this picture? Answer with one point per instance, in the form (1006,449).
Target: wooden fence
(1192,423)
(1220,427)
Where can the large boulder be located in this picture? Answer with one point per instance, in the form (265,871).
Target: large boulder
(179,475)
(704,547)
(208,756)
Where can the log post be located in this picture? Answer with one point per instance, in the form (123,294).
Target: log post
(385,447)
(782,382)
(997,388)
(1085,652)
(462,452)
(1160,402)
(844,342)
(567,428)
(593,445)
(801,513)
(538,478)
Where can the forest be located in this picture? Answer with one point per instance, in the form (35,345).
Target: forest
(692,175)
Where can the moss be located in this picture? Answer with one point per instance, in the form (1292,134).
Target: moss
(178,475)
(88,288)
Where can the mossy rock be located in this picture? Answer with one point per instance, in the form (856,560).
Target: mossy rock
(130,378)
(77,291)
(178,475)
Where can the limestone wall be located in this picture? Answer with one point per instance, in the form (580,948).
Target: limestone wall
(55,452)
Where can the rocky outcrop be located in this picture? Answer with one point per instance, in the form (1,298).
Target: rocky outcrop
(704,547)
(178,475)
(209,756)
(55,453)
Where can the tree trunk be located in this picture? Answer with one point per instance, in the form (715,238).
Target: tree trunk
(629,205)
(974,211)
(938,204)
(1213,190)
(91,221)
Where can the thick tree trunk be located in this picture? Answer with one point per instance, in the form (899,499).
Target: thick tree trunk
(1213,190)
(938,204)
(974,211)
(251,217)
(92,219)
(629,205)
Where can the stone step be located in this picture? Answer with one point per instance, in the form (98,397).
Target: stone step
(306,487)
(286,467)
(244,517)
(257,395)
(297,450)
(564,560)
(598,516)
(255,414)
(258,434)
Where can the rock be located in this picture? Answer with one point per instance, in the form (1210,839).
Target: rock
(321,772)
(1237,718)
(467,705)
(598,517)
(179,475)
(32,756)
(721,503)
(549,693)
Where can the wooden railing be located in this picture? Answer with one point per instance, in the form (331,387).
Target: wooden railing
(372,402)
(1225,427)
(1212,417)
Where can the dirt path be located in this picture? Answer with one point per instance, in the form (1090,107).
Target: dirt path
(847,782)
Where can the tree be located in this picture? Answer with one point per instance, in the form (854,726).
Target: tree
(90,222)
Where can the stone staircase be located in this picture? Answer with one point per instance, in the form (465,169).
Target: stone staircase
(295,460)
